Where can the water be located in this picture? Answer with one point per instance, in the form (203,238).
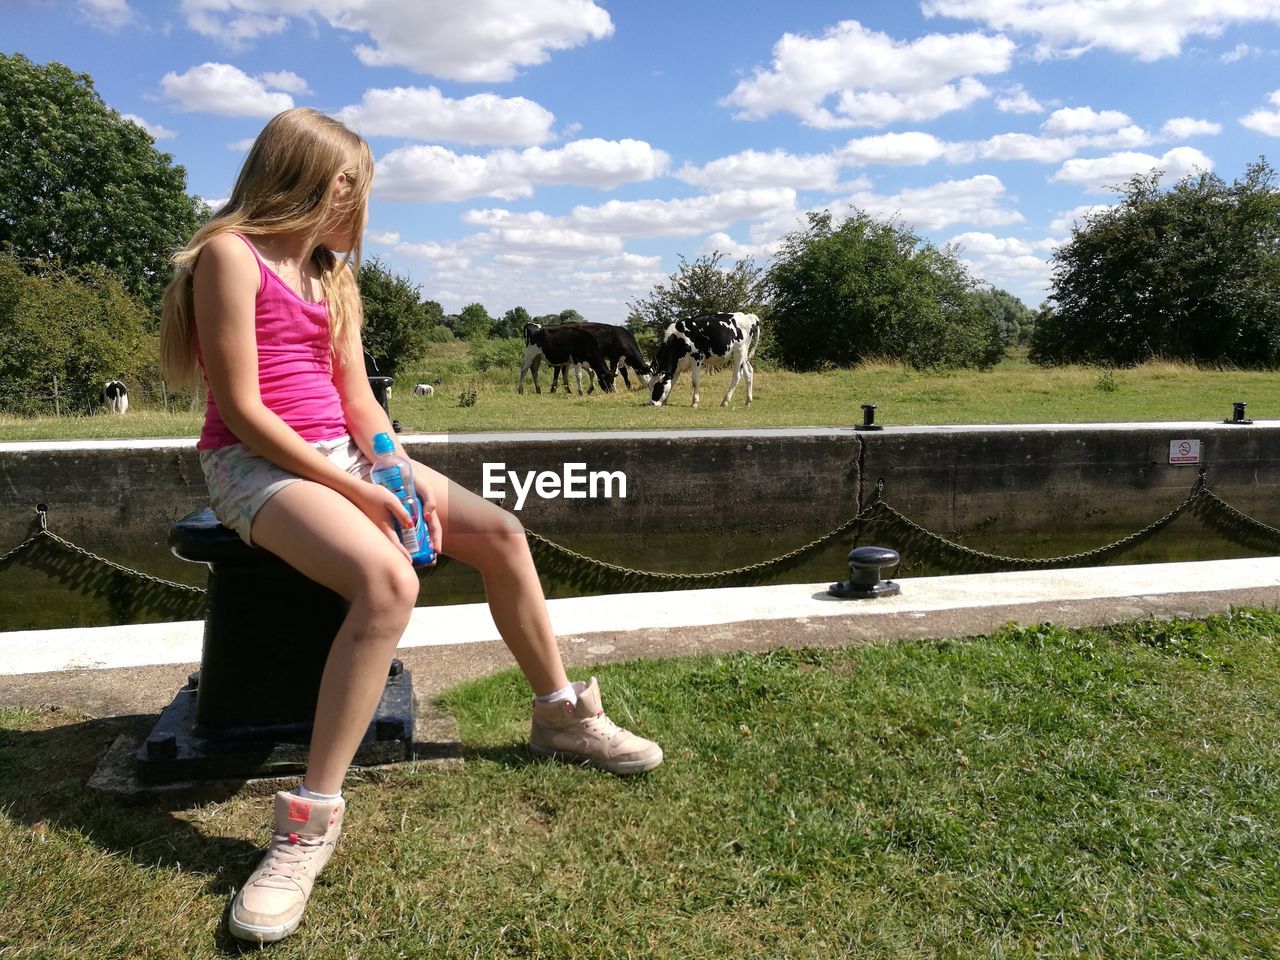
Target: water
(54,588)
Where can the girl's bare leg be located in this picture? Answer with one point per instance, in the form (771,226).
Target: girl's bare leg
(483,535)
(323,535)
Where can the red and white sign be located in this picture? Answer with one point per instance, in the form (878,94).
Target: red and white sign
(1184,451)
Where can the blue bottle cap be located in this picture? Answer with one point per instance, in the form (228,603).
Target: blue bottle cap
(382,443)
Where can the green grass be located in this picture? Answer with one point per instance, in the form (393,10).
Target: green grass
(1036,793)
(1012,392)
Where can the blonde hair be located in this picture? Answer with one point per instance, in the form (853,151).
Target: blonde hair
(286,186)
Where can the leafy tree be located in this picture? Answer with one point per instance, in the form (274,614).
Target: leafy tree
(511,324)
(81,186)
(1191,273)
(703,286)
(1011,320)
(570,316)
(78,327)
(398,324)
(473,322)
(871,289)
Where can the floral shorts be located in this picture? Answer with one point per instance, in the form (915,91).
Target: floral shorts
(240,481)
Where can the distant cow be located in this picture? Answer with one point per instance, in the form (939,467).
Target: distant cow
(619,349)
(559,345)
(424,390)
(115,397)
(713,340)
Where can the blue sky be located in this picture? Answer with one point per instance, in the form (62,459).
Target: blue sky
(566,153)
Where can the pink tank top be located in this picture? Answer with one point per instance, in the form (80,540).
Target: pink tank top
(295,370)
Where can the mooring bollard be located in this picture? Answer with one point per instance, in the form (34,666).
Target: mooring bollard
(868,418)
(1237,414)
(864,581)
(248,710)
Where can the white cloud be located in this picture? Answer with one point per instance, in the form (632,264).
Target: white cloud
(752,168)
(477,41)
(1083,120)
(241,146)
(1068,220)
(433,173)
(1146,30)
(286,80)
(1126,138)
(1239,52)
(1019,266)
(893,149)
(1023,146)
(1099,175)
(721,242)
(976,200)
(157,132)
(223,89)
(685,216)
(1265,121)
(107,14)
(427,114)
(1017,100)
(875,79)
(1182,128)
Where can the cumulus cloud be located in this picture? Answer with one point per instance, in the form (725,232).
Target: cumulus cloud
(107,14)
(875,79)
(434,173)
(1083,120)
(977,200)
(893,149)
(286,80)
(478,41)
(753,168)
(427,114)
(1265,121)
(1100,174)
(223,89)
(1010,263)
(1017,100)
(1148,31)
(1068,220)
(157,132)
(1239,52)
(1182,128)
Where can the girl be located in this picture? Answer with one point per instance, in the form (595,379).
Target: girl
(262,303)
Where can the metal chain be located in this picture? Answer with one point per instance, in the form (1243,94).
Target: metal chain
(44,531)
(1237,515)
(1197,490)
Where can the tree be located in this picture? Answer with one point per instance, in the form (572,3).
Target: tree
(81,186)
(1011,320)
(869,289)
(77,329)
(398,324)
(1191,273)
(473,322)
(511,324)
(703,286)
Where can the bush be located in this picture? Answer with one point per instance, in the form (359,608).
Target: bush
(398,323)
(502,353)
(868,289)
(79,327)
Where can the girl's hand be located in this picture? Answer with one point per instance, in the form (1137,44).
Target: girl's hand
(386,511)
(432,520)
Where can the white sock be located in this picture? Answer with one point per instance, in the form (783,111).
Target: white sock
(302,791)
(569,693)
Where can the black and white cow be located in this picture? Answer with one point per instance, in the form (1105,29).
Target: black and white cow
(424,390)
(712,340)
(619,349)
(562,344)
(115,397)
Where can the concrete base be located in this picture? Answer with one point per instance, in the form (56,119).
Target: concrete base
(436,747)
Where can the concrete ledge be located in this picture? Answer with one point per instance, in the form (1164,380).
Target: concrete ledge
(935,599)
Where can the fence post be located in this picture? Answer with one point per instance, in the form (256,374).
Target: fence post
(57,408)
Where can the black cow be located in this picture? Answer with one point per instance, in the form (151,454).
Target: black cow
(562,344)
(712,339)
(619,349)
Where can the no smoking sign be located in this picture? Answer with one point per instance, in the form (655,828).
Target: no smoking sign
(1184,451)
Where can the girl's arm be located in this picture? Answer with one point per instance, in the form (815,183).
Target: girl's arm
(225,286)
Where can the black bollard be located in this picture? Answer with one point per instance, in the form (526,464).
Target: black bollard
(864,581)
(868,418)
(248,710)
(1237,414)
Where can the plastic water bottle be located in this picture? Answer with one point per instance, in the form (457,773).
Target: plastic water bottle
(396,474)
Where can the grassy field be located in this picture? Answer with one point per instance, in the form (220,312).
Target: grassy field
(1035,793)
(1012,392)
